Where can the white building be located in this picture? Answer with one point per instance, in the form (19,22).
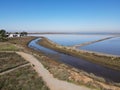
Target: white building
(13,35)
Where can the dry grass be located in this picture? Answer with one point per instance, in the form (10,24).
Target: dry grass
(22,79)
(4,46)
(10,60)
(21,41)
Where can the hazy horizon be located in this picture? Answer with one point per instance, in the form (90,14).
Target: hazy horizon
(82,16)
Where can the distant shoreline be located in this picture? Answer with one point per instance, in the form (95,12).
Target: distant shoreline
(86,51)
(75,33)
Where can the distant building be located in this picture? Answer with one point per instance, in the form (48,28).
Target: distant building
(13,35)
(18,35)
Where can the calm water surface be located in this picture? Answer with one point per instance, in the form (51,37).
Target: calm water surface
(111,46)
(78,63)
(71,39)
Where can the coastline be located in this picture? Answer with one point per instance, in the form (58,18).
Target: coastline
(55,67)
(107,60)
(60,70)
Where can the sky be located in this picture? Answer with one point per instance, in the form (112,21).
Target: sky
(60,15)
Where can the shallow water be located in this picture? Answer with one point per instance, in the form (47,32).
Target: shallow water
(71,39)
(78,63)
(111,46)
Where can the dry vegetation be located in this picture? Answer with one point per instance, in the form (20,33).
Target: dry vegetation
(22,79)
(10,60)
(4,46)
(21,42)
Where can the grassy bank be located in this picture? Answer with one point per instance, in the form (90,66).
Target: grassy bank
(21,42)
(4,46)
(108,61)
(22,79)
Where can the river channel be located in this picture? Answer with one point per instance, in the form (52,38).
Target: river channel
(87,66)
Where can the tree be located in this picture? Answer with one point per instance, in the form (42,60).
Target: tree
(16,33)
(2,35)
(23,33)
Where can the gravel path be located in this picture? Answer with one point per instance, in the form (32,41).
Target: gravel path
(51,82)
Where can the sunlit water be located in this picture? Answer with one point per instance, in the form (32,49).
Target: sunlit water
(111,46)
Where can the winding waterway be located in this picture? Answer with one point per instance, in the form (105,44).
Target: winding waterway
(98,70)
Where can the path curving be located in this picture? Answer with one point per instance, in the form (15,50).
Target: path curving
(51,82)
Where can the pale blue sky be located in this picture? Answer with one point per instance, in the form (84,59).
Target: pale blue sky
(60,15)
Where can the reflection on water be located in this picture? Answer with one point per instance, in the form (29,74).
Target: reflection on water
(110,46)
(78,63)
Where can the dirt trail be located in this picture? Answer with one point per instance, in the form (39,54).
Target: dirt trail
(10,70)
(51,82)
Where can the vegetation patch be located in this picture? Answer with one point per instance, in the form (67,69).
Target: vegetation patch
(22,79)
(3,36)
(10,60)
(21,42)
(7,47)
